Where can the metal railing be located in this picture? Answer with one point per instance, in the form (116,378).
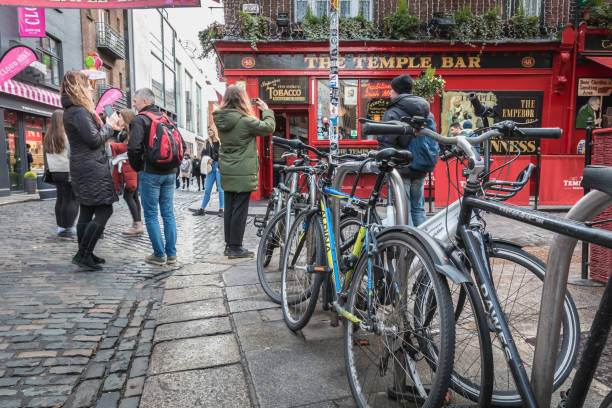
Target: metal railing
(107,39)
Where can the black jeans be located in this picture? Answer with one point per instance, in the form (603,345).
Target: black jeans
(197,177)
(185,181)
(98,214)
(66,207)
(236,210)
(133,202)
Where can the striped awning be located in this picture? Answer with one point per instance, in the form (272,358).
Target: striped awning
(33,93)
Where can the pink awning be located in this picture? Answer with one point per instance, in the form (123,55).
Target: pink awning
(33,93)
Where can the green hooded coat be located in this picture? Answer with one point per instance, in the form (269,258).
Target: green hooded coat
(238,158)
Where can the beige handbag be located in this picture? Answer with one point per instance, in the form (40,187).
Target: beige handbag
(205,167)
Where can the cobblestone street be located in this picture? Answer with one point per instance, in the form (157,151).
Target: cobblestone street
(201,333)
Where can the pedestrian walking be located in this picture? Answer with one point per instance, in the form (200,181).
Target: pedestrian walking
(91,178)
(57,161)
(211,155)
(195,170)
(156,181)
(238,160)
(124,175)
(186,171)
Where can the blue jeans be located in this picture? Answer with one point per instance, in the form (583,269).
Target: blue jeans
(415,190)
(158,191)
(211,177)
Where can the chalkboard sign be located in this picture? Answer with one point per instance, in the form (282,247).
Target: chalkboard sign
(284,90)
(375,97)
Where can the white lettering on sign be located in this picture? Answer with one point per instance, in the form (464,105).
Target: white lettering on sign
(594,86)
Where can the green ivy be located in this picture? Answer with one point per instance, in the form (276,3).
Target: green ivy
(470,27)
(601,16)
(522,26)
(357,28)
(428,85)
(491,26)
(206,37)
(402,25)
(315,28)
(254,28)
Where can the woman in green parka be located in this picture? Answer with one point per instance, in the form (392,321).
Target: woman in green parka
(239,161)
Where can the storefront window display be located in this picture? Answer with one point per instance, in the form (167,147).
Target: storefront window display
(33,127)
(13,152)
(594,102)
(348,109)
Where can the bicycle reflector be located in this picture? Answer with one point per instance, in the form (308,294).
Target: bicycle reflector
(317,269)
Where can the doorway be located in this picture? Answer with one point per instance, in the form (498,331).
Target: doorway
(289,125)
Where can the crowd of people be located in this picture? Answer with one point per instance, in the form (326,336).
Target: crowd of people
(92,160)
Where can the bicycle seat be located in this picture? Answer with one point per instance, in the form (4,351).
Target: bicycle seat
(293,143)
(398,157)
(598,178)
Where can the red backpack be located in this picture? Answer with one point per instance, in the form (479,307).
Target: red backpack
(164,149)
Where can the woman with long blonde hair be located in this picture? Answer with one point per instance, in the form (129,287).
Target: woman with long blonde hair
(210,154)
(57,161)
(239,161)
(91,179)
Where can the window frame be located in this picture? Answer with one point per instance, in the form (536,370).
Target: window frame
(53,55)
(355,6)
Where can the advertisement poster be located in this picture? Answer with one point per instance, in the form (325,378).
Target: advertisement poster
(375,97)
(594,101)
(104,4)
(519,106)
(284,90)
(31,22)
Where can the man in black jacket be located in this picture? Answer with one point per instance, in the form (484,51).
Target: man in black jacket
(156,185)
(403,103)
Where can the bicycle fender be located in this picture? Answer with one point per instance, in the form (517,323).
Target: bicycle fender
(442,263)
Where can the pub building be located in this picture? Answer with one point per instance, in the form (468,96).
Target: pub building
(534,82)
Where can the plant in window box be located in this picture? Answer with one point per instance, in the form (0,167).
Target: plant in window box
(522,26)
(401,25)
(315,28)
(254,28)
(357,28)
(600,14)
(428,85)
(207,37)
(29,182)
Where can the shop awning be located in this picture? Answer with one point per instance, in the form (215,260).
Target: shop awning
(31,92)
(605,61)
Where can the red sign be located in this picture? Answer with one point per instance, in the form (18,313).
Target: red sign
(31,22)
(108,98)
(104,4)
(248,62)
(560,179)
(15,60)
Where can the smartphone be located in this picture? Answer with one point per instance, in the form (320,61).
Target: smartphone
(108,109)
(254,101)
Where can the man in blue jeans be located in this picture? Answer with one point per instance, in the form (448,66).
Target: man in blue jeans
(156,185)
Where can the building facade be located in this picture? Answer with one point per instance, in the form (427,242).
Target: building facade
(28,99)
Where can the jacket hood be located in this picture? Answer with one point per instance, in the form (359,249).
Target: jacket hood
(226,119)
(411,105)
(66,102)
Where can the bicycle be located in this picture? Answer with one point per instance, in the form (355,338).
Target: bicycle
(470,239)
(375,296)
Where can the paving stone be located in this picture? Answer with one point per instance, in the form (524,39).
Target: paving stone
(23,363)
(7,392)
(191,311)
(271,315)
(52,379)
(52,401)
(38,353)
(194,353)
(241,276)
(244,291)
(127,345)
(121,361)
(26,372)
(144,349)
(201,269)
(78,352)
(120,322)
(193,328)
(9,381)
(11,403)
(50,332)
(215,387)
(113,331)
(179,282)
(87,338)
(139,366)
(146,336)
(21,339)
(136,322)
(66,370)
(114,382)
(108,400)
(104,355)
(65,361)
(108,342)
(243,305)
(47,390)
(132,332)
(95,370)
(193,294)
(102,310)
(131,402)
(30,327)
(134,386)
(85,394)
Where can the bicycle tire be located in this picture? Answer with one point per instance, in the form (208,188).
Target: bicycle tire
(472,378)
(388,385)
(607,402)
(299,288)
(271,240)
(502,257)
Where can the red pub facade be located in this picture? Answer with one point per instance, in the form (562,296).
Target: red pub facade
(543,82)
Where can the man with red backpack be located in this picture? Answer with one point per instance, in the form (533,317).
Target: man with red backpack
(156,149)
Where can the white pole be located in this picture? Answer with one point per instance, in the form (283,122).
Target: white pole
(334,97)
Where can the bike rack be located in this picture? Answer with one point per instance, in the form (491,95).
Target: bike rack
(553,296)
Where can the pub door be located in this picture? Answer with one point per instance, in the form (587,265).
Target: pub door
(289,125)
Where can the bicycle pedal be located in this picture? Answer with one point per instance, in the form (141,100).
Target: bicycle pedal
(318,269)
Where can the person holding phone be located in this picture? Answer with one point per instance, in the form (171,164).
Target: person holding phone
(238,129)
(89,171)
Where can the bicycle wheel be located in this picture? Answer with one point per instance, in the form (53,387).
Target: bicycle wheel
(607,402)
(299,287)
(270,256)
(387,355)
(518,278)
(472,376)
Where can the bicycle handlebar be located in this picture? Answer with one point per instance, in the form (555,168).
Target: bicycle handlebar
(296,145)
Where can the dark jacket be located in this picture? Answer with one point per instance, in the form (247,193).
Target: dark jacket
(195,167)
(238,158)
(140,128)
(91,177)
(212,150)
(403,105)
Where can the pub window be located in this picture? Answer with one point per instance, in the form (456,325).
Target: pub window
(50,54)
(347,112)
(348,8)
(375,97)
(531,7)
(300,9)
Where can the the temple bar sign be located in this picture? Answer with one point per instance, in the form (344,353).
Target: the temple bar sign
(284,90)
(382,62)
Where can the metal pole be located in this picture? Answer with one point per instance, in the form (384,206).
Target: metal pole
(429,189)
(334,97)
(588,141)
(537,180)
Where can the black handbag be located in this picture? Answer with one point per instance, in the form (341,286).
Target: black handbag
(47,176)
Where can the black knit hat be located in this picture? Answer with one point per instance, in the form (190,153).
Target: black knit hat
(402,84)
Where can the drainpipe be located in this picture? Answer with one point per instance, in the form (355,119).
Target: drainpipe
(574,90)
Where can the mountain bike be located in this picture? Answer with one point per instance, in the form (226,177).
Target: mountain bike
(470,238)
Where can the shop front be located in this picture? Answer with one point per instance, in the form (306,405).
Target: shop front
(523,80)
(25,113)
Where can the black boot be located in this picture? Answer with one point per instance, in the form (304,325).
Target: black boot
(90,237)
(80,231)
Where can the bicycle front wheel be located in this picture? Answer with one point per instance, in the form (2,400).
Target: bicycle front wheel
(387,355)
(299,286)
(270,256)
